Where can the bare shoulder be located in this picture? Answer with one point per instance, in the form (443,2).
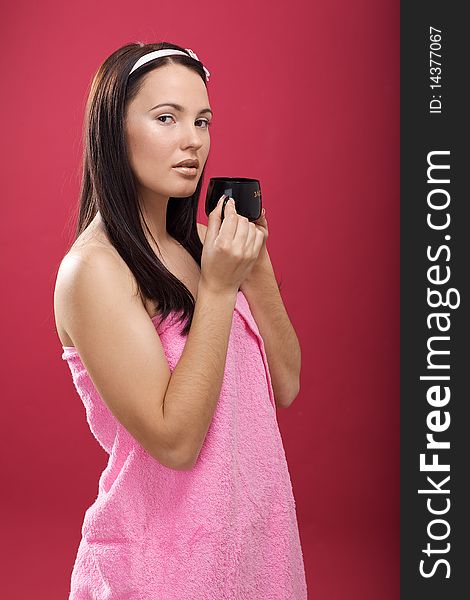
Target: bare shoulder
(92,266)
(87,270)
(80,263)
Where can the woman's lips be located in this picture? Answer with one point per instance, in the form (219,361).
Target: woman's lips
(191,171)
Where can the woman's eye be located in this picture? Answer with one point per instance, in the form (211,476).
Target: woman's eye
(165,117)
(203,120)
(208,123)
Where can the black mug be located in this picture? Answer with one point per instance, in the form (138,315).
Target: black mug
(245,191)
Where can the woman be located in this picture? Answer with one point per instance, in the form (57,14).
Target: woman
(196,500)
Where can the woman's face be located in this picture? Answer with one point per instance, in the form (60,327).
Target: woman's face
(159,138)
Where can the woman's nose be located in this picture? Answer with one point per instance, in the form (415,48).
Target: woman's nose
(192,136)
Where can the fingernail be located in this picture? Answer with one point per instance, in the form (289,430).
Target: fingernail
(232,201)
(263,212)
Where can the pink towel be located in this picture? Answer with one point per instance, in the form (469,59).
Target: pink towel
(226,529)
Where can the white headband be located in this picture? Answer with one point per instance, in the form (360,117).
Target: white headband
(166,52)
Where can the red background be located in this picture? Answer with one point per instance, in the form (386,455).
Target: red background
(306,98)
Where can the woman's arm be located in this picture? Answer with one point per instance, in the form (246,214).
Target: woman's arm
(280,340)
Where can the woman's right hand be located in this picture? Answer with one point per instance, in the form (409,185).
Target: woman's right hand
(230,250)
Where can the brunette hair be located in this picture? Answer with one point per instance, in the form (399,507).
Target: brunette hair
(108,184)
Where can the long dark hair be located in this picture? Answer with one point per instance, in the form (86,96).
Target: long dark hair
(108,183)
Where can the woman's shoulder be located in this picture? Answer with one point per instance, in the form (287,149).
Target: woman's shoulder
(91,257)
(83,271)
(93,246)
(92,252)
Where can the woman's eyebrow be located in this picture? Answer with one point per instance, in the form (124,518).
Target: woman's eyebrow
(179,107)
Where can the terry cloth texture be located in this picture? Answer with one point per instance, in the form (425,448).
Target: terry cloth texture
(226,529)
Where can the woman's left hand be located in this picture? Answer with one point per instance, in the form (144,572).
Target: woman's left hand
(263,261)
(262,225)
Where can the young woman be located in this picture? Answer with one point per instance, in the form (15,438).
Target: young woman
(156,316)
